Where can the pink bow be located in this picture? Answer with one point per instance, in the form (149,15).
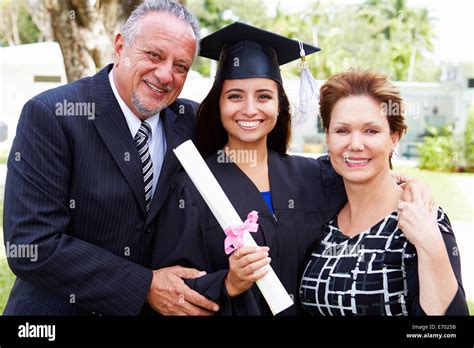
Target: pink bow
(235,234)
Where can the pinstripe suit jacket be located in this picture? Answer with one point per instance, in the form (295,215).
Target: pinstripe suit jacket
(74,191)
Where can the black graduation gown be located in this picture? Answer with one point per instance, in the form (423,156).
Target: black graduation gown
(305,192)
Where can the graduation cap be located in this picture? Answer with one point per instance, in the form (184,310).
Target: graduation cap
(244,51)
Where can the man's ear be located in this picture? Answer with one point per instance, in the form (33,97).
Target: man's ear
(118,46)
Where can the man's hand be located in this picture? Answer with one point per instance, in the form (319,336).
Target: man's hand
(169,295)
(425,189)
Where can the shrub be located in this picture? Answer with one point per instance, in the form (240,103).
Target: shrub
(439,150)
(469,140)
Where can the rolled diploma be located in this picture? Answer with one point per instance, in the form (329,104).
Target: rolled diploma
(191,160)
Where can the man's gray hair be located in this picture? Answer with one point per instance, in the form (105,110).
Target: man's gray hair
(131,28)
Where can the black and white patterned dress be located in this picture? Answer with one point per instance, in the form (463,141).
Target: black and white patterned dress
(372,273)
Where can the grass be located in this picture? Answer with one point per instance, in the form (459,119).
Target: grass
(4,156)
(6,282)
(6,276)
(446,191)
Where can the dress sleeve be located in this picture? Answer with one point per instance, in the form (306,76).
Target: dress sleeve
(458,305)
(181,240)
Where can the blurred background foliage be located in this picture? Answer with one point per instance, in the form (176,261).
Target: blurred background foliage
(349,34)
(442,151)
(402,37)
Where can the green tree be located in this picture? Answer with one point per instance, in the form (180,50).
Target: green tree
(84,29)
(215,14)
(388,36)
(16,25)
(409,33)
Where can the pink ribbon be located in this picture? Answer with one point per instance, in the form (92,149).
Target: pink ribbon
(235,234)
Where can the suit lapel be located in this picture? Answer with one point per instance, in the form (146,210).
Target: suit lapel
(113,129)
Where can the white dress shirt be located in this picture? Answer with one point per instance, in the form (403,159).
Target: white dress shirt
(156,140)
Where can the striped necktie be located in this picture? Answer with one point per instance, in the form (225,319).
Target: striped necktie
(141,139)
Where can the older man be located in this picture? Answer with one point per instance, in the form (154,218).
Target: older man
(84,192)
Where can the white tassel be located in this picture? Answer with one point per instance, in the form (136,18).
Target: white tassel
(308,99)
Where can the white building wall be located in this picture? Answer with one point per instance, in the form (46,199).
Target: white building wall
(18,67)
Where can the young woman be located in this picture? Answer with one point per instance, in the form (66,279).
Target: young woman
(243,132)
(378,255)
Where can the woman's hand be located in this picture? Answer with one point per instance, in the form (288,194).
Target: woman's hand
(418,223)
(245,267)
(437,282)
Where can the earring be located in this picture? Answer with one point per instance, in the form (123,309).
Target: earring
(329,155)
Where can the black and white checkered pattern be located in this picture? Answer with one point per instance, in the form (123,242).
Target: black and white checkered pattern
(360,275)
(141,139)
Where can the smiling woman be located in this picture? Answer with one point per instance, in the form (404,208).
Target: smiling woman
(378,255)
(359,136)
(219,121)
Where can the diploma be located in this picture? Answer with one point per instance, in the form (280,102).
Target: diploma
(191,160)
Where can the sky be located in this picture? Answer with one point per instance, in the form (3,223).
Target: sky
(453,24)
(454,28)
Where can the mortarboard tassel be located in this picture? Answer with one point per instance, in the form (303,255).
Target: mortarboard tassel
(308,99)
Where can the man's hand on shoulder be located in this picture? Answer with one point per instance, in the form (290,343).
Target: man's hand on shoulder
(169,295)
(425,189)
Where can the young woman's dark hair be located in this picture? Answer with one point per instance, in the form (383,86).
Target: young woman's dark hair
(211,135)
